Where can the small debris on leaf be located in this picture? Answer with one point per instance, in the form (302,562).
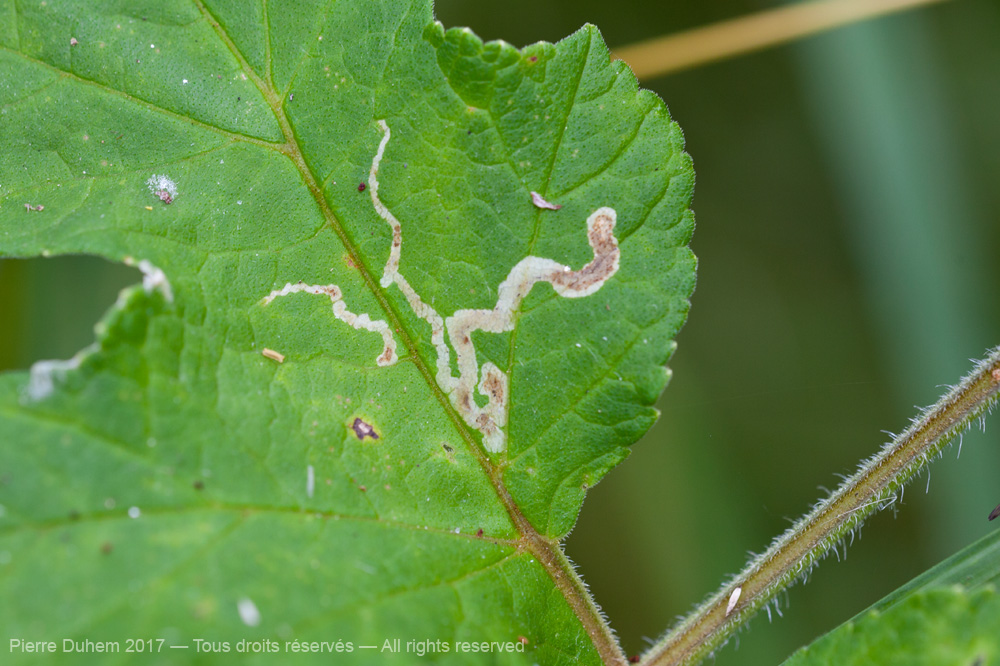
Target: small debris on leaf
(537,199)
(995,512)
(273,355)
(248,612)
(361,187)
(72,41)
(29,207)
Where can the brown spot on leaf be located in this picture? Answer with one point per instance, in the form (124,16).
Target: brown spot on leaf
(995,512)
(479,532)
(198,484)
(494,386)
(107,547)
(386,358)
(362,429)
(447,448)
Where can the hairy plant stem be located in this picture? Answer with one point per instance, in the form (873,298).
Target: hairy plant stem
(872,488)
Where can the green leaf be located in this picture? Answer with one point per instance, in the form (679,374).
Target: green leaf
(934,626)
(973,567)
(950,614)
(279,436)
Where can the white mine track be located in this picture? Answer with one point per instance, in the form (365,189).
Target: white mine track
(489,380)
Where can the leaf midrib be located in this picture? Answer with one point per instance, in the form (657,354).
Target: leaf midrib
(547,551)
(292,150)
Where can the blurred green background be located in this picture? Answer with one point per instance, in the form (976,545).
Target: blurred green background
(847,208)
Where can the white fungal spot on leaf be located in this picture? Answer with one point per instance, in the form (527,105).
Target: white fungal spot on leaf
(163,188)
(340,311)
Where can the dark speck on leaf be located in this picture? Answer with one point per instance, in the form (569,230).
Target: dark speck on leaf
(479,532)
(106,547)
(532,58)
(361,187)
(447,448)
(362,429)
(995,512)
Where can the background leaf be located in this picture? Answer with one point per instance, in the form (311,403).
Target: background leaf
(171,480)
(934,626)
(948,614)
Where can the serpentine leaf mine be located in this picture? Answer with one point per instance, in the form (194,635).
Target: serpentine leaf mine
(490,381)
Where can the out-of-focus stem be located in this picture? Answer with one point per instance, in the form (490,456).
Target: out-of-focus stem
(685,50)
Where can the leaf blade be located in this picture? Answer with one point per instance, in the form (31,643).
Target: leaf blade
(204,422)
